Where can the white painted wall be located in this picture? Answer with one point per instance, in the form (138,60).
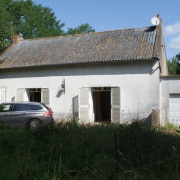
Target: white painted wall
(169,85)
(138,82)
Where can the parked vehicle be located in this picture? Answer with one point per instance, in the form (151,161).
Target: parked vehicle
(26,114)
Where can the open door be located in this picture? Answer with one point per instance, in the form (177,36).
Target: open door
(45,96)
(102,105)
(115,105)
(106,104)
(84,104)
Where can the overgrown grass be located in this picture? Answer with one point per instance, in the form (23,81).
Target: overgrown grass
(73,151)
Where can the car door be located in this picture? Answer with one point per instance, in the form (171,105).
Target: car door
(18,115)
(5,113)
(13,114)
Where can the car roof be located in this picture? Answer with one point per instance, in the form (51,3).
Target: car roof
(22,102)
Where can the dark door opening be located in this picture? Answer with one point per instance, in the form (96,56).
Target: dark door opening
(102,106)
(35,95)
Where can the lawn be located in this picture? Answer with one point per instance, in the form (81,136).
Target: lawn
(74,151)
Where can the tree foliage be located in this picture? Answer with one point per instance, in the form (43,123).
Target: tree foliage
(83,28)
(29,19)
(174,65)
(32,21)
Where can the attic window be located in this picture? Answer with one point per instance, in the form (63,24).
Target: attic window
(3,60)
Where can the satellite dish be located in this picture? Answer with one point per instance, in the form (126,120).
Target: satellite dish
(155,21)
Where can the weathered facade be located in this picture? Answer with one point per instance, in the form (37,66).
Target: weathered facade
(109,76)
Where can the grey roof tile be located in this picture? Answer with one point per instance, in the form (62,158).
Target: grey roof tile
(109,46)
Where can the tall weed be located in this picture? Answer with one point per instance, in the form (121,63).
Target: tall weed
(74,151)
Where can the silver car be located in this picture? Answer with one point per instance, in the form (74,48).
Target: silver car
(26,114)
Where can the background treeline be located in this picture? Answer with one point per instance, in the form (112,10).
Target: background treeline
(174,65)
(31,21)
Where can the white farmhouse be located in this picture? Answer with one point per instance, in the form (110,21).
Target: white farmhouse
(114,76)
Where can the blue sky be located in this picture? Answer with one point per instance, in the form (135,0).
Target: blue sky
(105,15)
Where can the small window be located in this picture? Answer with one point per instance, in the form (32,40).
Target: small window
(34,107)
(5,107)
(19,107)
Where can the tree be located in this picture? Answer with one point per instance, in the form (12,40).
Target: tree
(5,25)
(32,21)
(174,65)
(83,28)
(28,19)
(178,57)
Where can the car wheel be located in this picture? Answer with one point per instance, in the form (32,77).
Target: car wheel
(34,124)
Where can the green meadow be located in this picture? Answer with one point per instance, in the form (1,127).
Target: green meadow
(74,151)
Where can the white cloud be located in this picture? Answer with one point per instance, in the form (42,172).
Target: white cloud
(174,43)
(172,29)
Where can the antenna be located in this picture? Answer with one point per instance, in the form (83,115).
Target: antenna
(155,21)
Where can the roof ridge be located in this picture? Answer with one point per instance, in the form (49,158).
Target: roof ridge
(83,34)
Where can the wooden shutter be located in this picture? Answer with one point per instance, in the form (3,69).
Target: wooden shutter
(45,96)
(75,108)
(20,94)
(115,104)
(2,95)
(84,104)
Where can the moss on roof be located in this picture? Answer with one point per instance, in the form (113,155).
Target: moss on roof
(109,46)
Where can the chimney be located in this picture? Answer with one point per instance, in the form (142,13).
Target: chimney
(17,38)
(158,16)
(159,24)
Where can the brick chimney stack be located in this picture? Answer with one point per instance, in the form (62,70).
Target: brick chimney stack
(159,26)
(17,38)
(158,16)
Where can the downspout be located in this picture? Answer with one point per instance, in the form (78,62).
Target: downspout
(157,46)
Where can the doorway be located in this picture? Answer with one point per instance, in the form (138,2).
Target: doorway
(35,95)
(102,104)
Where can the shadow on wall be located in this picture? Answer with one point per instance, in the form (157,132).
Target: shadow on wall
(59,93)
(154,118)
(13,99)
(75,107)
(72,114)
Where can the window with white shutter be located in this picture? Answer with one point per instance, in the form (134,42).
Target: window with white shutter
(45,96)
(84,104)
(115,104)
(2,95)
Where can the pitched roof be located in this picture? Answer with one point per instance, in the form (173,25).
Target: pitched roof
(109,46)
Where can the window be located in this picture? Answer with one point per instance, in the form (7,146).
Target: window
(33,95)
(19,107)
(5,107)
(34,107)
